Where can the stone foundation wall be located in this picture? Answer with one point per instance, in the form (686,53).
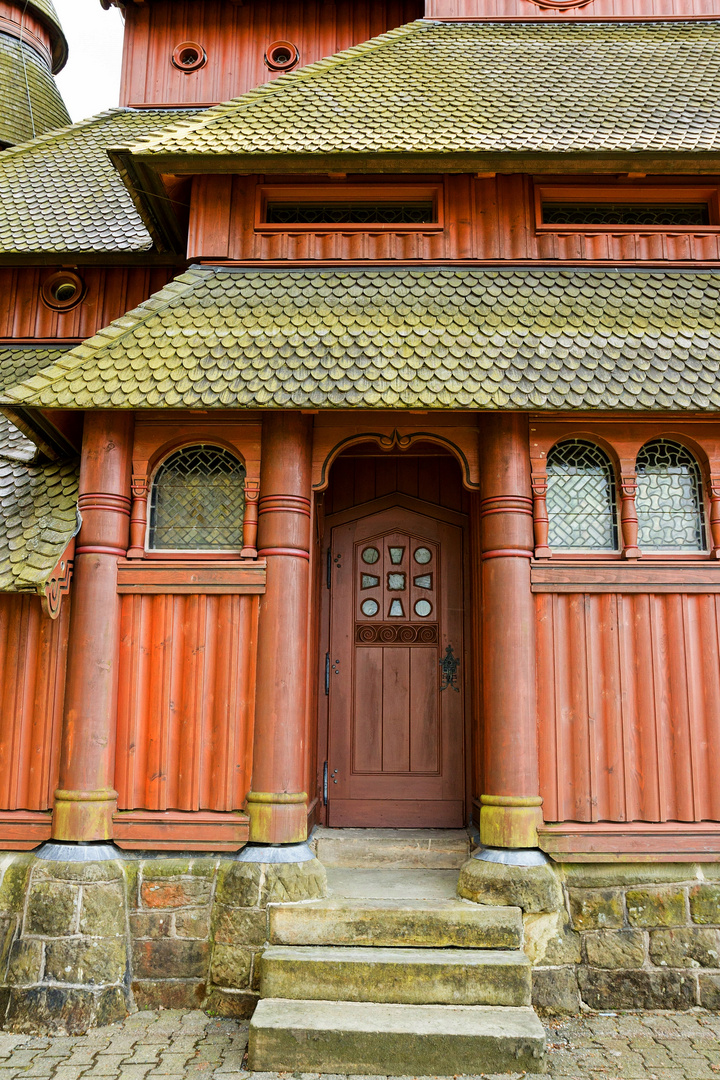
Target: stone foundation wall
(613,936)
(83,944)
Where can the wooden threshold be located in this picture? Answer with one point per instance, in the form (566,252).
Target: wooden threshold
(180,830)
(23,830)
(635,841)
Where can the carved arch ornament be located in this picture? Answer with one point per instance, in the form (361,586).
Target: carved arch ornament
(622,443)
(460,442)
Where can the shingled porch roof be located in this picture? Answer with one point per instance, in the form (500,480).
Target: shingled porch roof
(402,338)
(467,89)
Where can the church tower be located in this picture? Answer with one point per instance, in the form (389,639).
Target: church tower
(32,50)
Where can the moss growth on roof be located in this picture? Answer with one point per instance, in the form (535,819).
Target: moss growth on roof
(450,88)
(27,109)
(402,338)
(61,193)
(37,501)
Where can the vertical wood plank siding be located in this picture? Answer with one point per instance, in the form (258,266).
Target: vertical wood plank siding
(629,706)
(185,702)
(235,37)
(110,293)
(486,219)
(600,9)
(33,652)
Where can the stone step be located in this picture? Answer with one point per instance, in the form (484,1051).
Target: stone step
(396,1040)
(405,976)
(400,849)
(416,923)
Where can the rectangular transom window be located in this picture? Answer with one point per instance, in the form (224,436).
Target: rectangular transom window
(344,206)
(625,208)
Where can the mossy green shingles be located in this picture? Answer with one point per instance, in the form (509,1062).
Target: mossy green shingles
(30,107)
(37,502)
(402,338)
(444,88)
(61,192)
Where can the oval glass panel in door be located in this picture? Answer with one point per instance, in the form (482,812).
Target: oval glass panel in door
(369,608)
(423,555)
(370,555)
(423,608)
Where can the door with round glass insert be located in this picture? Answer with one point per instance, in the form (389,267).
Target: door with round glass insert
(396,737)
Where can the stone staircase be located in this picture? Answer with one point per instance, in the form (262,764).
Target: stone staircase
(407,983)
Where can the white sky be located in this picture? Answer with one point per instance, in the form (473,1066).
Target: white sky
(90,81)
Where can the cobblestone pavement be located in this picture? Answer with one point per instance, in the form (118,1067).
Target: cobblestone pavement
(174,1045)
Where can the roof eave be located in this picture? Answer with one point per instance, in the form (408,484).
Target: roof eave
(140,168)
(151,201)
(33,423)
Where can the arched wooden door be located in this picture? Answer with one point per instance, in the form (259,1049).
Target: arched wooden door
(395,755)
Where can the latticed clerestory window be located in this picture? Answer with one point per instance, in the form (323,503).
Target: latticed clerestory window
(581,498)
(669,498)
(198,501)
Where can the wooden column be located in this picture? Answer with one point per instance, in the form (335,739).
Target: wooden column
(277,804)
(511,805)
(85,799)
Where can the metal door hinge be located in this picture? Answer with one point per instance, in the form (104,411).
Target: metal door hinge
(449,668)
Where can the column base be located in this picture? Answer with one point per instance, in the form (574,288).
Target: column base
(271,853)
(509,821)
(277,817)
(83,816)
(53,851)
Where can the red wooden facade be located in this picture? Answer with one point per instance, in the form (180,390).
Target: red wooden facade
(196,700)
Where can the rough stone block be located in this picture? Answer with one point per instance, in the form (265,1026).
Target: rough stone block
(150,924)
(169,994)
(234,1004)
(183,892)
(161,868)
(95,962)
(242,926)
(284,883)
(615,948)
(685,946)
(616,875)
(709,991)
(231,966)
(238,885)
(532,888)
(596,909)
(102,910)
(77,872)
(548,939)
(555,991)
(170,958)
(25,963)
(51,908)
(661,906)
(705,904)
(15,869)
(193,924)
(602,989)
(8,927)
(57,1010)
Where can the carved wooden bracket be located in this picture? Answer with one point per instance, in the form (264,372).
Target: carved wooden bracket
(138,516)
(628,516)
(58,584)
(250,521)
(715,514)
(541,522)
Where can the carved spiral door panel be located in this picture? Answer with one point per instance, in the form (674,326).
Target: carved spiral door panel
(396,717)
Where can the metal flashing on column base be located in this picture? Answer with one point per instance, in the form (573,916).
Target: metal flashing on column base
(512,856)
(275,853)
(80,853)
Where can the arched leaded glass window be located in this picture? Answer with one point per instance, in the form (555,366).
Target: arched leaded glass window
(198,500)
(581,498)
(669,498)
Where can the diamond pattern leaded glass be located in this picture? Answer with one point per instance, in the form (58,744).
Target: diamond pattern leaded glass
(669,498)
(357,213)
(625,214)
(581,498)
(198,500)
